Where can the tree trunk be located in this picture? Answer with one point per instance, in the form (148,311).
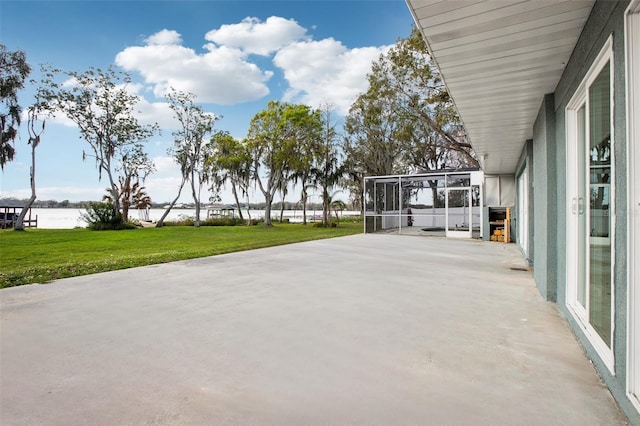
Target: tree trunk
(196,200)
(115,193)
(235,196)
(281,209)
(19,225)
(326,216)
(268,194)
(125,211)
(267,210)
(248,209)
(160,223)
(304,205)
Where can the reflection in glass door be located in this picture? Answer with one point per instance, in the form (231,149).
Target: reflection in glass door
(459,213)
(599,194)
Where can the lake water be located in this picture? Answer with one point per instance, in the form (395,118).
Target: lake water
(70,218)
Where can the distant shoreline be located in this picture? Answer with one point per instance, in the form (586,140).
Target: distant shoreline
(70,217)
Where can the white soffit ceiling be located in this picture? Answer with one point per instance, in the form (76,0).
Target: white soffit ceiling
(498,59)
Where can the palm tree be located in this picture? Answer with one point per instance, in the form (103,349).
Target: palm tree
(140,199)
(304,199)
(335,204)
(328,170)
(130,195)
(338,205)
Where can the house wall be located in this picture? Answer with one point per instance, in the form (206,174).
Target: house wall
(606,19)
(544,200)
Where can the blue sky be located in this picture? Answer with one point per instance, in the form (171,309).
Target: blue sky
(235,56)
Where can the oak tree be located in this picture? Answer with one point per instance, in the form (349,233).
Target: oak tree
(233,162)
(273,143)
(104,110)
(190,150)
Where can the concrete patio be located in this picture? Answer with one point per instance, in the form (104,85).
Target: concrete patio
(367,329)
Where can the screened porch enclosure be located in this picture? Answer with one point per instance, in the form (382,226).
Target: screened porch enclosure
(437,203)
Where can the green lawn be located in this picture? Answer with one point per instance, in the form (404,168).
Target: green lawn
(42,255)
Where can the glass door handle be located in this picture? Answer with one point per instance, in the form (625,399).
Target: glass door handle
(577,205)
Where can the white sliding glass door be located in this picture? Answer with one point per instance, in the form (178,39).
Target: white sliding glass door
(459,217)
(632,59)
(590,209)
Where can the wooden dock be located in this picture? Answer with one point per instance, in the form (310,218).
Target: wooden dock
(10,211)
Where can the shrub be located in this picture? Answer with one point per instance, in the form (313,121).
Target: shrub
(322,225)
(102,217)
(222,221)
(214,221)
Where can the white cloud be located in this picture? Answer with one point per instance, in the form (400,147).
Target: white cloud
(53,117)
(163,189)
(164,37)
(61,119)
(165,165)
(162,186)
(261,38)
(220,75)
(155,112)
(149,113)
(326,71)
(146,112)
(70,82)
(316,72)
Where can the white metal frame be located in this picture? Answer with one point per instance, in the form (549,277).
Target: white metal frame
(632,61)
(575,203)
(476,179)
(523,210)
(459,234)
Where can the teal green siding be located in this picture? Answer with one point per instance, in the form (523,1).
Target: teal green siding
(549,186)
